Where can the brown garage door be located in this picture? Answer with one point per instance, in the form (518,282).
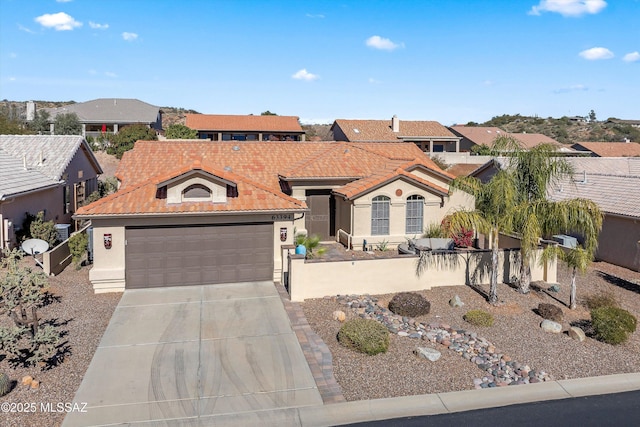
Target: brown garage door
(177,256)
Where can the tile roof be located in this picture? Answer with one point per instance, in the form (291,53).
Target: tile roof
(110,110)
(610,149)
(216,122)
(48,154)
(606,165)
(380,130)
(256,167)
(485,135)
(463,169)
(15,179)
(616,194)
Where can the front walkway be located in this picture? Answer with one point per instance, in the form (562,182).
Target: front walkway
(197,355)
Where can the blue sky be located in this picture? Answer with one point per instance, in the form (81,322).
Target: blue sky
(445,60)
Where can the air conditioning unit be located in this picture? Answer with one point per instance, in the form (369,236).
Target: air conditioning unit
(63,231)
(566,241)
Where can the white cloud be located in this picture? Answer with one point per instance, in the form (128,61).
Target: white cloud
(97,26)
(374,81)
(13,55)
(377,42)
(487,83)
(311,15)
(632,57)
(572,88)
(129,36)
(110,74)
(58,21)
(305,75)
(12,79)
(569,7)
(596,53)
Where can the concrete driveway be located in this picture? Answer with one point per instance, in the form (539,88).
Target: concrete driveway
(197,355)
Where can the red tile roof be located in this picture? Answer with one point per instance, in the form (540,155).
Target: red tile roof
(380,130)
(486,135)
(610,149)
(256,167)
(216,122)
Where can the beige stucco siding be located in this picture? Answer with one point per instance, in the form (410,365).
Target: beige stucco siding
(432,177)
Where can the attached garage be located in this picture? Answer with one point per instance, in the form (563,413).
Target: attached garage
(196,255)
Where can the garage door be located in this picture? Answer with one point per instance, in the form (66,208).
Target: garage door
(177,256)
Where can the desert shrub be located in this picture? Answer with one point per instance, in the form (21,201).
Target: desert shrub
(603,299)
(479,318)
(5,384)
(45,230)
(364,335)
(550,311)
(78,244)
(613,324)
(434,230)
(409,304)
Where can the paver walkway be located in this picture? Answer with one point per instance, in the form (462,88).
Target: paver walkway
(197,355)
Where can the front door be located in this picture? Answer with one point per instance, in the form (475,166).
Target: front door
(320,218)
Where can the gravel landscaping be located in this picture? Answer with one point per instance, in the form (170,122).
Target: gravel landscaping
(83,316)
(515,333)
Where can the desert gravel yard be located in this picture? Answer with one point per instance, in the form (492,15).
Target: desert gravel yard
(83,316)
(516,332)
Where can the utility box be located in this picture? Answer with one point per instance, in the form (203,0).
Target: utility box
(566,241)
(63,231)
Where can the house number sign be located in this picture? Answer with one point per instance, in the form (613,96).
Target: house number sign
(282,217)
(283,234)
(107,240)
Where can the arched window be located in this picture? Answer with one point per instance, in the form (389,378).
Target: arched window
(380,215)
(196,191)
(415,214)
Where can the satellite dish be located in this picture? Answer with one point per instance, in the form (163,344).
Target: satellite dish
(34,246)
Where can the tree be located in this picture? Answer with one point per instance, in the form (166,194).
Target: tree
(592,116)
(126,138)
(10,126)
(268,113)
(178,131)
(67,124)
(495,202)
(40,122)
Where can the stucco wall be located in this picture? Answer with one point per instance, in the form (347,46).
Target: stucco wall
(317,279)
(619,242)
(435,209)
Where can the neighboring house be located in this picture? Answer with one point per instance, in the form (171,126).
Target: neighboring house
(53,174)
(218,127)
(430,136)
(214,212)
(484,135)
(618,196)
(109,115)
(608,149)
(634,123)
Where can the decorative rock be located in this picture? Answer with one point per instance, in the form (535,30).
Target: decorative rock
(427,353)
(26,380)
(456,302)
(554,288)
(551,326)
(339,315)
(550,311)
(35,384)
(577,334)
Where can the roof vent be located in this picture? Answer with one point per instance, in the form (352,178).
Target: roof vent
(356,130)
(227,168)
(236,148)
(395,124)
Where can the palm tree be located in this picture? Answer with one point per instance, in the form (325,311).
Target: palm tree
(495,202)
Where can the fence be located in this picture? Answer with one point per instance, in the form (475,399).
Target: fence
(57,259)
(317,278)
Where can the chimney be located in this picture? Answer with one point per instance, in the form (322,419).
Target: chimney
(395,124)
(31,110)
(40,158)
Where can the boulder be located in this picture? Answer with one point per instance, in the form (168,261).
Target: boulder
(551,326)
(577,334)
(456,302)
(26,380)
(550,311)
(35,384)
(427,353)
(339,315)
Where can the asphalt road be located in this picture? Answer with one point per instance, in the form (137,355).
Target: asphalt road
(610,410)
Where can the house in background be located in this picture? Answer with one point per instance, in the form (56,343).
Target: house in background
(472,136)
(108,115)
(634,123)
(53,174)
(430,136)
(608,149)
(191,212)
(217,127)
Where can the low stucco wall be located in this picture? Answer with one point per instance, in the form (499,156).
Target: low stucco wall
(619,242)
(57,259)
(317,279)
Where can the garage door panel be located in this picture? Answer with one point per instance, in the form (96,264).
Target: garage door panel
(178,256)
